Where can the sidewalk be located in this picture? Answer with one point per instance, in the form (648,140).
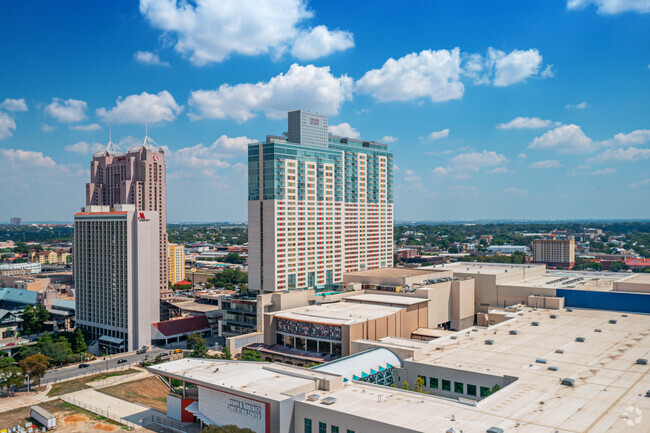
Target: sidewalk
(116,380)
(121,411)
(23,399)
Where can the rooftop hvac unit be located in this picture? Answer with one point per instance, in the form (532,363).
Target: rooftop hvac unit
(328,401)
(553,316)
(540,361)
(489,342)
(494,430)
(642,361)
(569,309)
(553,368)
(598,330)
(534,323)
(567,382)
(559,350)
(580,339)
(313,397)
(612,321)
(513,332)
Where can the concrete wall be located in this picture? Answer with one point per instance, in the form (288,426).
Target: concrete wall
(344,421)
(511,295)
(638,283)
(412,370)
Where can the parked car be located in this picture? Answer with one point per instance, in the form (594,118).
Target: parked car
(84,365)
(121,361)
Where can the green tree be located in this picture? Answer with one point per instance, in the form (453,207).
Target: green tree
(225,353)
(406,386)
(30,326)
(197,345)
(251,355)
(453,250)
(618,266)
(230,428)
(419,384)
(79,342)
(35,366)
(11,376)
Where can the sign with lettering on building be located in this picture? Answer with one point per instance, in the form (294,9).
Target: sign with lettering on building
(314,122)
(248,409)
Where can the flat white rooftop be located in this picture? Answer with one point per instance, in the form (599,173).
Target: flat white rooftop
(386,299)
(572,280)
(339,313)
(484,268)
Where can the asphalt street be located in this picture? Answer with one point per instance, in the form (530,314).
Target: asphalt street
(100,365)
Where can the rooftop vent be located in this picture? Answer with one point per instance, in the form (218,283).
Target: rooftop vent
(540,361)
(494,430)
(513,332)
(313,397)
(580,339)
(534,323)
(328,401)
(567,382)
(598,330)
(559,350)
(553,368)
(553,316)
(489,342)
(623,315)
(642,361)
(569,309)
(613,321)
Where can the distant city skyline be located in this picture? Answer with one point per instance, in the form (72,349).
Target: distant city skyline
(509,111)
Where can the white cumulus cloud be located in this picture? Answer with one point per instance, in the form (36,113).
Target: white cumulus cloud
(67,111)
(640,183)
(213,156)
(209,31)
(436,135)
(603,172)
(344,130)
(549,163)
(15,157)
(89,127)
(83,147)
(319,42)
(463,165)
(620,154)
(525,123)
(440,171)
(14,104)
(7,125)
(388,139)
(515,191)
(313,88)
(579,106)
(428,74)
(612,7)
(565,139)
(142,108)
(504,69)
(149,58)
(640,136)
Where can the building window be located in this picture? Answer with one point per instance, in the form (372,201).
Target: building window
(471,389)
(485,392)
(446,385)
(423,380)
(458,387)
(335,429)
(307,425)
(433,382)
(350,431)
(322,427)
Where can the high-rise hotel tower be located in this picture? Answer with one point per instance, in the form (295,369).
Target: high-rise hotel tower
(136,177)
(319,206)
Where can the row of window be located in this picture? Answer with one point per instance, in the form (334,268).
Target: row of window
(322,427)
(459,387)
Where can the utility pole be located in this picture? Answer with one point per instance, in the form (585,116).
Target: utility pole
(28,383)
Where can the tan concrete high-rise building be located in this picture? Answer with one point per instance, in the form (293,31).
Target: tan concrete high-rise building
(318,208)
(136,177)
(176,263)
(116,267)
(555,252)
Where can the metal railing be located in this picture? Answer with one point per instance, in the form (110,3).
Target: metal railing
(100,412)
(167,422)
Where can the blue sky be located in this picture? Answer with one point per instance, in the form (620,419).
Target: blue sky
(494,110)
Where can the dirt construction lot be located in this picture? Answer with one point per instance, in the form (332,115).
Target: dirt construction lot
(151,392)
(69,419)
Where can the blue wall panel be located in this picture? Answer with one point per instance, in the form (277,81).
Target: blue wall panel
(615,301)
